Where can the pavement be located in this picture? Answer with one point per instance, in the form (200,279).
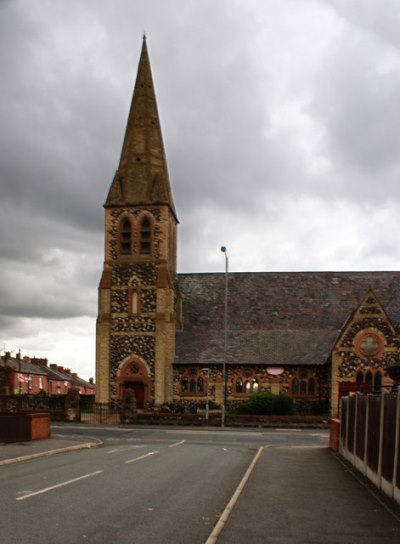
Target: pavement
(308,495)
(24,451)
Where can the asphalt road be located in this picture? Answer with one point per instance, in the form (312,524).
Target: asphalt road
(143,486)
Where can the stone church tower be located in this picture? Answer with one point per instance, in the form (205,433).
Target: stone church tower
(135,337)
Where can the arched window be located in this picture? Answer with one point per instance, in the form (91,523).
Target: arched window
(378,380)
(295,386)
(245,382)
(360,377)
(304,383)
(126,236)
(145,237)
(193,382)
(368,377)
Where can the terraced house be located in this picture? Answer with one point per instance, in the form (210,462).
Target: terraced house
(312,335)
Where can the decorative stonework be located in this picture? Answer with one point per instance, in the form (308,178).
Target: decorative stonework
(351,362)
(148,300)
(129,324)
(145,273)
(119,301)
(369,323)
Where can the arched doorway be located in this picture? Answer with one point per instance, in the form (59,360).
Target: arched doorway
(133,375)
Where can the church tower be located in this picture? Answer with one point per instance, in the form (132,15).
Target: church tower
(135,334)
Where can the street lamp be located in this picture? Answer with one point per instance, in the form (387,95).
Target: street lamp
(223,249)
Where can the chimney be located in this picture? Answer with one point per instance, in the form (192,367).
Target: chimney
(74,374)
(18,356)
(60,368)
(53,366)
(91,381)
(26,359)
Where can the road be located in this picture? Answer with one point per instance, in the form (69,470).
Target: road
(142,486)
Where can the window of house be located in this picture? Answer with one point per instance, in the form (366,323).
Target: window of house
(30,382)
(245,383)
(192,382)
(303,383)
(145,237)
(40,382)
(126,237)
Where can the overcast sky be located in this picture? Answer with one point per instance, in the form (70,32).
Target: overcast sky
(281,124)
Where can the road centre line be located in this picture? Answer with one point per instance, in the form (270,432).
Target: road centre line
(141,457)
(177,444)
(58,485)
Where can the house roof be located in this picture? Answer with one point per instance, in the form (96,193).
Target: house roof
(274,318)
(24,366)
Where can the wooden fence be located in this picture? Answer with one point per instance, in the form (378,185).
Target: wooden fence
(370,438)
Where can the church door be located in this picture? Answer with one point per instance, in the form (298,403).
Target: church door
(138,388)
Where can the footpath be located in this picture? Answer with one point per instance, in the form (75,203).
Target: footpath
(24,451)
(307,495)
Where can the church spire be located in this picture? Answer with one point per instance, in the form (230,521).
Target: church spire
(142,175)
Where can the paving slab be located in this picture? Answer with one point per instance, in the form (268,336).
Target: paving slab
(306,495)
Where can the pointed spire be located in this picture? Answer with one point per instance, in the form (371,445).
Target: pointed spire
(142,175)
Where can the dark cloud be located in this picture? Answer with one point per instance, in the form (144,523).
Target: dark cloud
(280,124)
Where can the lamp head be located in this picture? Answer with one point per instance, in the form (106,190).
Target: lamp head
(223,249)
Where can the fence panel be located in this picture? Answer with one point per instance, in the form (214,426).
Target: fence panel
(374,426)
(343,417)
(389,436)
(352,416)
(361,425)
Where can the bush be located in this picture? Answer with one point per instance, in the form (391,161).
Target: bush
(267,404)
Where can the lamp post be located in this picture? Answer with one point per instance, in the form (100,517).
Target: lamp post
(223,249)
(207,371)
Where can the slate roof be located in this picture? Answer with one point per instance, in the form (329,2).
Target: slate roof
(285,318)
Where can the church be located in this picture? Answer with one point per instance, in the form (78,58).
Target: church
(312,335)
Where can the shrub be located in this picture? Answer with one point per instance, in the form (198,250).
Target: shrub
(267,404)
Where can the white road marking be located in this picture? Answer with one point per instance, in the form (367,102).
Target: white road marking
(288,430)
(177,444)
(302,447)
(212,539)
(58,485)
(124,448)
(141,457)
